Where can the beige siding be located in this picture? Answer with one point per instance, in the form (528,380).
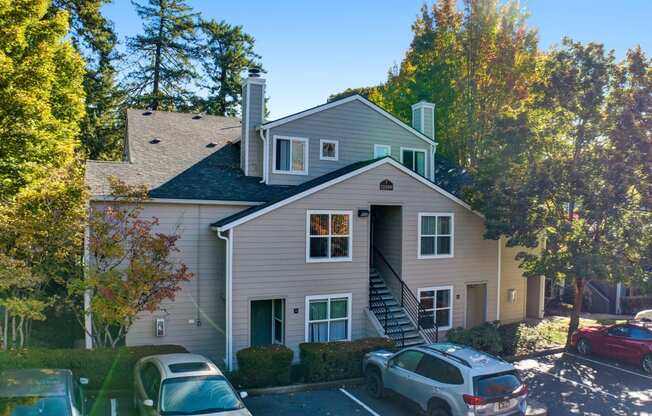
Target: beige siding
(512,278)
(356,127)
(269,253)
(203,296)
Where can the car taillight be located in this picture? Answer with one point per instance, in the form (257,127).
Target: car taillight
(521,391)
(472,400)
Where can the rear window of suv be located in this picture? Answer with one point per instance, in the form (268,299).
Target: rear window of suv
(496,385)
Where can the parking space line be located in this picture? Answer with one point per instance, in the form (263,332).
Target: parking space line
(609,365)
(355,399)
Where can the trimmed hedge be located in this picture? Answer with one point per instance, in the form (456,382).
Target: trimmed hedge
(264,365)
(484,337)
(337,360)
(106,369)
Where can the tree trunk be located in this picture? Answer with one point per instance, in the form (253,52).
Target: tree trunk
(5,340)
(21,333)
(157,65)
(577,309)
(13,332)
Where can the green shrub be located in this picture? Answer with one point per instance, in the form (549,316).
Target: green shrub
(483,337)
(106,369)
(337,360)
(264,365)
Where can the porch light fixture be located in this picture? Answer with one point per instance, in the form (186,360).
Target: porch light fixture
(363,213)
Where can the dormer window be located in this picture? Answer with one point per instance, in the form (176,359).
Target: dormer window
(329,150)
(290,155)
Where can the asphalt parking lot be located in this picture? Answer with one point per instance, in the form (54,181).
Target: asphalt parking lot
(566,384)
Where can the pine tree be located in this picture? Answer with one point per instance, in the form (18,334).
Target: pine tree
(162,55)
(225,52)
(94,38)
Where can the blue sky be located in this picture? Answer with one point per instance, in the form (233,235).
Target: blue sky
(312,49)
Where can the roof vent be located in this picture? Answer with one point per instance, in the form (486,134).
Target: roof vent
(147,113)
(197,117)
(211,145)
(254,72)
(155,141)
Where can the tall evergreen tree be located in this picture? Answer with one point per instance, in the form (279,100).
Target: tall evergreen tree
(224,53)
(162,55)
(93,36)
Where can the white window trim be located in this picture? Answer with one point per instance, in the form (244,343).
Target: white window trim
(305,155)
(434,304)
(382,146)
(436,256)
(425,158)
(348,296)
(328,259)
(321,149)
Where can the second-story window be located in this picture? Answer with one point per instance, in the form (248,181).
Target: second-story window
(414,159)
(329,150)
(435,235)
(291,155)
(329,236)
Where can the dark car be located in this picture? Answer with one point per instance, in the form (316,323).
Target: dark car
(630,342)
(41,392)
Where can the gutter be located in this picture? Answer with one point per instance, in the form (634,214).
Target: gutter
(228,297)
(261,133)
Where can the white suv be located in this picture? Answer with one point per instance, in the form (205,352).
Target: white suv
(183,384)
(447,379)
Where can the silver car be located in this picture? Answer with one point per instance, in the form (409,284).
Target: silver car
(43,392)
(184,384)
(447,379)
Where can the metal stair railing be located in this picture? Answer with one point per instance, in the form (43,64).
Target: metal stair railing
(424,320)
(379,307)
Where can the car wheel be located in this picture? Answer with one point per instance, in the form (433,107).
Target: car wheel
(374,383)
(583,347)
(647,364)
(439,411)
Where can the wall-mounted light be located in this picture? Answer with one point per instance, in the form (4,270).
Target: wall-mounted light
(511,295)
(363,213)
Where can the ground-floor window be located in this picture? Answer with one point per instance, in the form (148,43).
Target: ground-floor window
(437,303)
(328,318)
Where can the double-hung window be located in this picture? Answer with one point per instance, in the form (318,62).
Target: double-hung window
(328,318)
(328,236)
(414,159)
(435,235)
(437,304)
(290,155)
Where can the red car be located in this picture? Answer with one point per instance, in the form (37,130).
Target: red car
(630,342)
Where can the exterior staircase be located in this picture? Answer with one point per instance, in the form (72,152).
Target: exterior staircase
(392,317)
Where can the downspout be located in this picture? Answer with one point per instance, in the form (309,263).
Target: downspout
(261,133)
(500,252)
(228,299)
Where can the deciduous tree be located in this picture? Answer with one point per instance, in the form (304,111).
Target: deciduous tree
(131,268)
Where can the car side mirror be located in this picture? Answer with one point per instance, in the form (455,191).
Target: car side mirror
(244,394)
(83,381)
(148,403)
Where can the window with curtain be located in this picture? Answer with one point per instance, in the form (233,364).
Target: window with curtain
(290,155)
(329,236)
(437,303)
(435,235)
(414,160)
(328,318)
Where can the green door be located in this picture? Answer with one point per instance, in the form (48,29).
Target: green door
(261,322)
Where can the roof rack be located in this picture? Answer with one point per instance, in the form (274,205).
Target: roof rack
(449,355)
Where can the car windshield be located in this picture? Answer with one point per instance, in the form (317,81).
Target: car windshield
(198,395)
(496,385)
(33,406)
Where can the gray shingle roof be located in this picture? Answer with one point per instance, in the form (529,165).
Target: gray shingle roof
(182,165)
